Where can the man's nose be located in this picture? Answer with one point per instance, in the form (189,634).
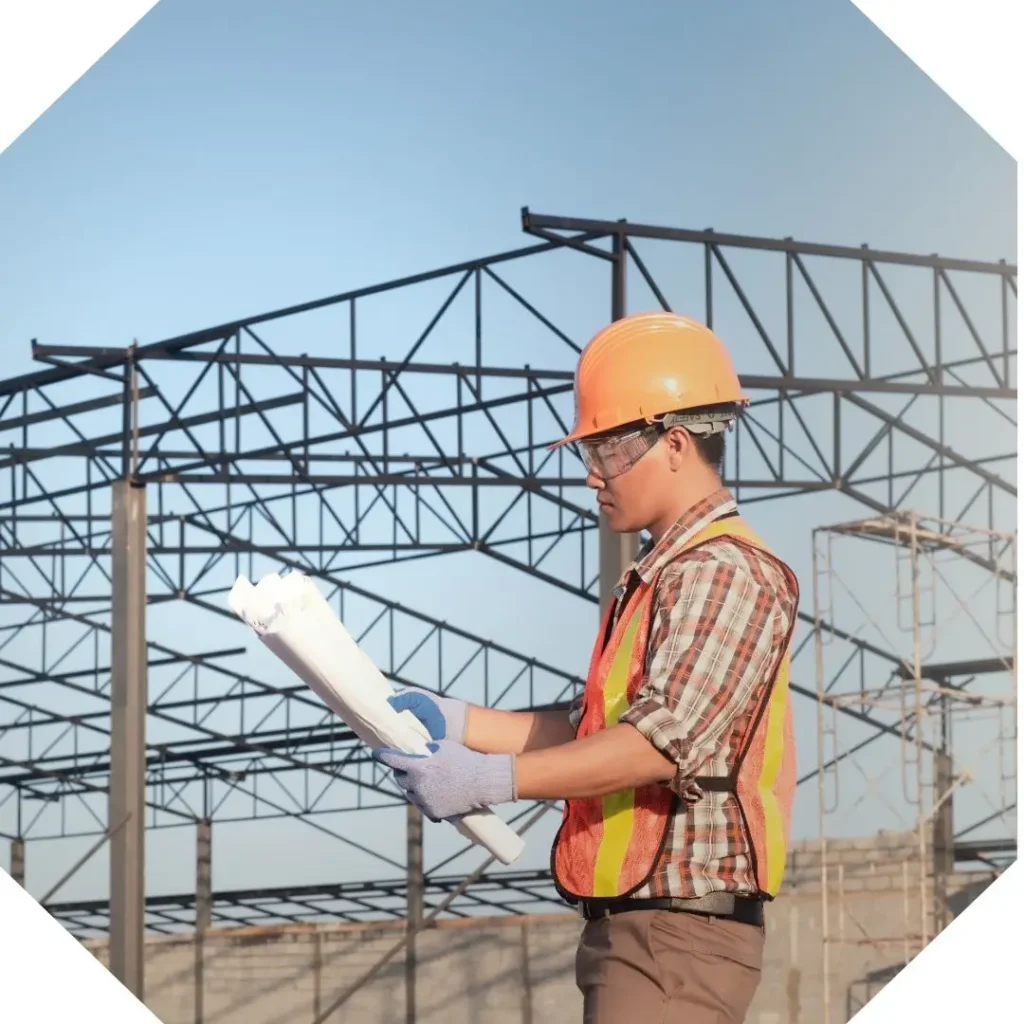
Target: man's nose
(594,482)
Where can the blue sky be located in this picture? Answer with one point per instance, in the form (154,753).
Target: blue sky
(231,158)
(228,158)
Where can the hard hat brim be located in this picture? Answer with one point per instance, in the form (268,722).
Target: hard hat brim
(580,434)
(576,435)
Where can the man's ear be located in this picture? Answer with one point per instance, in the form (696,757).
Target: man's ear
(679,443)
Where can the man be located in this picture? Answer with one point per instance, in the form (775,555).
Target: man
(676,764)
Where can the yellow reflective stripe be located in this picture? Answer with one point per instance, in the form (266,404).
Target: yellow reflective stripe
(617,807)
(774,749)
(734,526)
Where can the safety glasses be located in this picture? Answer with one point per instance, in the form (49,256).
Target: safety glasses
(609,457)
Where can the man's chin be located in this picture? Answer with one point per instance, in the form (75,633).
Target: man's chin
(616,520)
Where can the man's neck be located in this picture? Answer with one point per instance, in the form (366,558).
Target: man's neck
(687,498)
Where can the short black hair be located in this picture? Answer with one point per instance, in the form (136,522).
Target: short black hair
(711,449)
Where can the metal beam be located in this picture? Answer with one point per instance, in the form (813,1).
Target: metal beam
(115,357)
(792,385)
(611,228)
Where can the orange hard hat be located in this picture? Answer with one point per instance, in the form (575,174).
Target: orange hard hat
(646,366)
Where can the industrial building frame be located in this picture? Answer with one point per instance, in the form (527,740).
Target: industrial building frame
(98,450)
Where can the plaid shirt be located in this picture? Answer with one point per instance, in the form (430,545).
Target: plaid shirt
(720,614)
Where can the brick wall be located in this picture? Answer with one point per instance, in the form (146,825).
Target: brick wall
(520,970)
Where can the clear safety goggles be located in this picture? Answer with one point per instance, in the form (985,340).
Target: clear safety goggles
(611,456)
(608,457)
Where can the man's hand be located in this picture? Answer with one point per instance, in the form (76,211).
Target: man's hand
(443,717)
(487,730)
(452,780)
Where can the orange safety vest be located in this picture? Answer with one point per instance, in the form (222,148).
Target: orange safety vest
(610,846)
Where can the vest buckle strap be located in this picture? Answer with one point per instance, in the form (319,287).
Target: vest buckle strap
(716,783)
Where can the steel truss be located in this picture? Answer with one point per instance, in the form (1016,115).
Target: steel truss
(419,427)
(512,892)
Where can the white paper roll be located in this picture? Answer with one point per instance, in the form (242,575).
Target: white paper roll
(292,618)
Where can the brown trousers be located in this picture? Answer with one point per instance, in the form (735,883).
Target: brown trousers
(659,967)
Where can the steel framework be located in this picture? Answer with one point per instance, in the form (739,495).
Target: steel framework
(392,424)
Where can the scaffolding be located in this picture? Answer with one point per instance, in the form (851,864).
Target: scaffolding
(932,605)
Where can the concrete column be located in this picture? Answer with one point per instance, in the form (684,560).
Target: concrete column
(414,904)
(128,735)
(527,980)
(18,861)
(615,550)
(318,970)
(615,555)
(204,909)
(943,852)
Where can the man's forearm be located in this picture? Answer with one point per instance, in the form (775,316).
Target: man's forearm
(605,762)
(512,732)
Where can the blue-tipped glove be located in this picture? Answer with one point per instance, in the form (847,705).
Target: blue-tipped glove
(444,717)
(452,780)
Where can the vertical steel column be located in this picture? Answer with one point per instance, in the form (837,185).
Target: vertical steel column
(204,908)
(128,734)
(615,550)
(414,904)
(18,861)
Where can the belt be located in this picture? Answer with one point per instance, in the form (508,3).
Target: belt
(745,909)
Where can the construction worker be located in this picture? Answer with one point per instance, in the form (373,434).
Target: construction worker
(676,763)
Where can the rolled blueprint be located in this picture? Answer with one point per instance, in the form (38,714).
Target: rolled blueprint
(292,618)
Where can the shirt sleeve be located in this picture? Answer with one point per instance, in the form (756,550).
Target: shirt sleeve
(713,636)
(576,711)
